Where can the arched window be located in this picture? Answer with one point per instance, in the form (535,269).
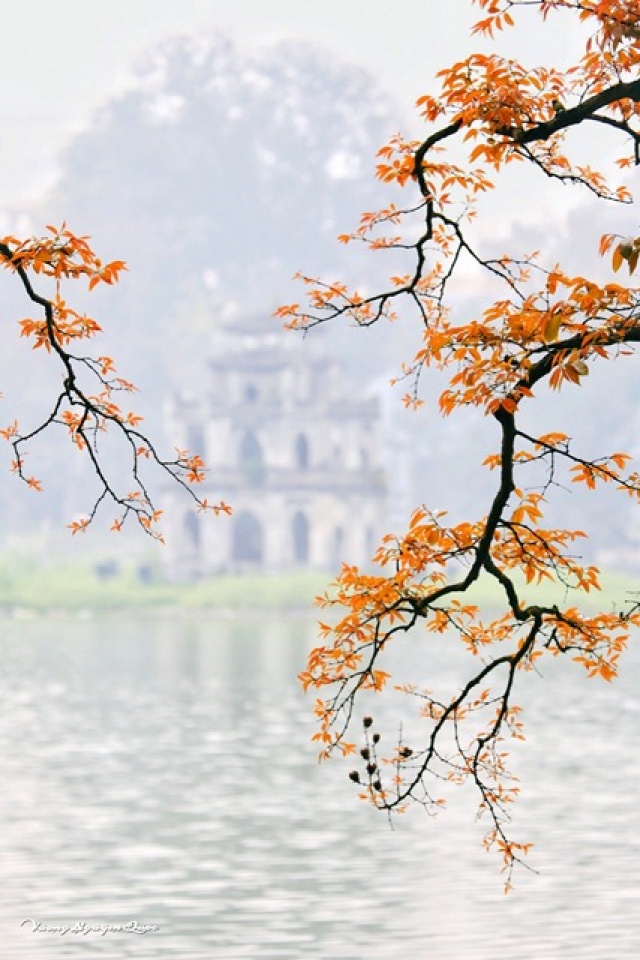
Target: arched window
(247,538)
(250,449)
(195,440)
(302,452)
(300,529)
(251,460)
(192,531)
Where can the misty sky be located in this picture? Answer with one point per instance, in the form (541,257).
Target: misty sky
(61,60)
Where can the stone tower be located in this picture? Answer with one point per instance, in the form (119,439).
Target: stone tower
(291,447)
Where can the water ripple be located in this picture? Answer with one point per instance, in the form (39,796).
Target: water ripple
(155,775)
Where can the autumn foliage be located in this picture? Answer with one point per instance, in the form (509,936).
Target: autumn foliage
(89,402)
(541,325)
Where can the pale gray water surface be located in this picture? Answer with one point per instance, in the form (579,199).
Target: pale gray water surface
(160,772)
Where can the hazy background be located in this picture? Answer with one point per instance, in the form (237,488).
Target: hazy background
(160,768)
(220,147)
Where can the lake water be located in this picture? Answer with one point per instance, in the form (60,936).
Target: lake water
(159,773)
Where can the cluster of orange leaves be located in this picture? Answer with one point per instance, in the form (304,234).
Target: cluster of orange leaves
(548,326)
(59,257)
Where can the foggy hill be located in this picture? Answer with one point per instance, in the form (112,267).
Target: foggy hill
(219,174)
(216,177)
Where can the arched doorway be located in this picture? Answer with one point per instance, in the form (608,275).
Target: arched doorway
(251,460)
(300,529)
(302,452)
(247,544)
(192,532)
